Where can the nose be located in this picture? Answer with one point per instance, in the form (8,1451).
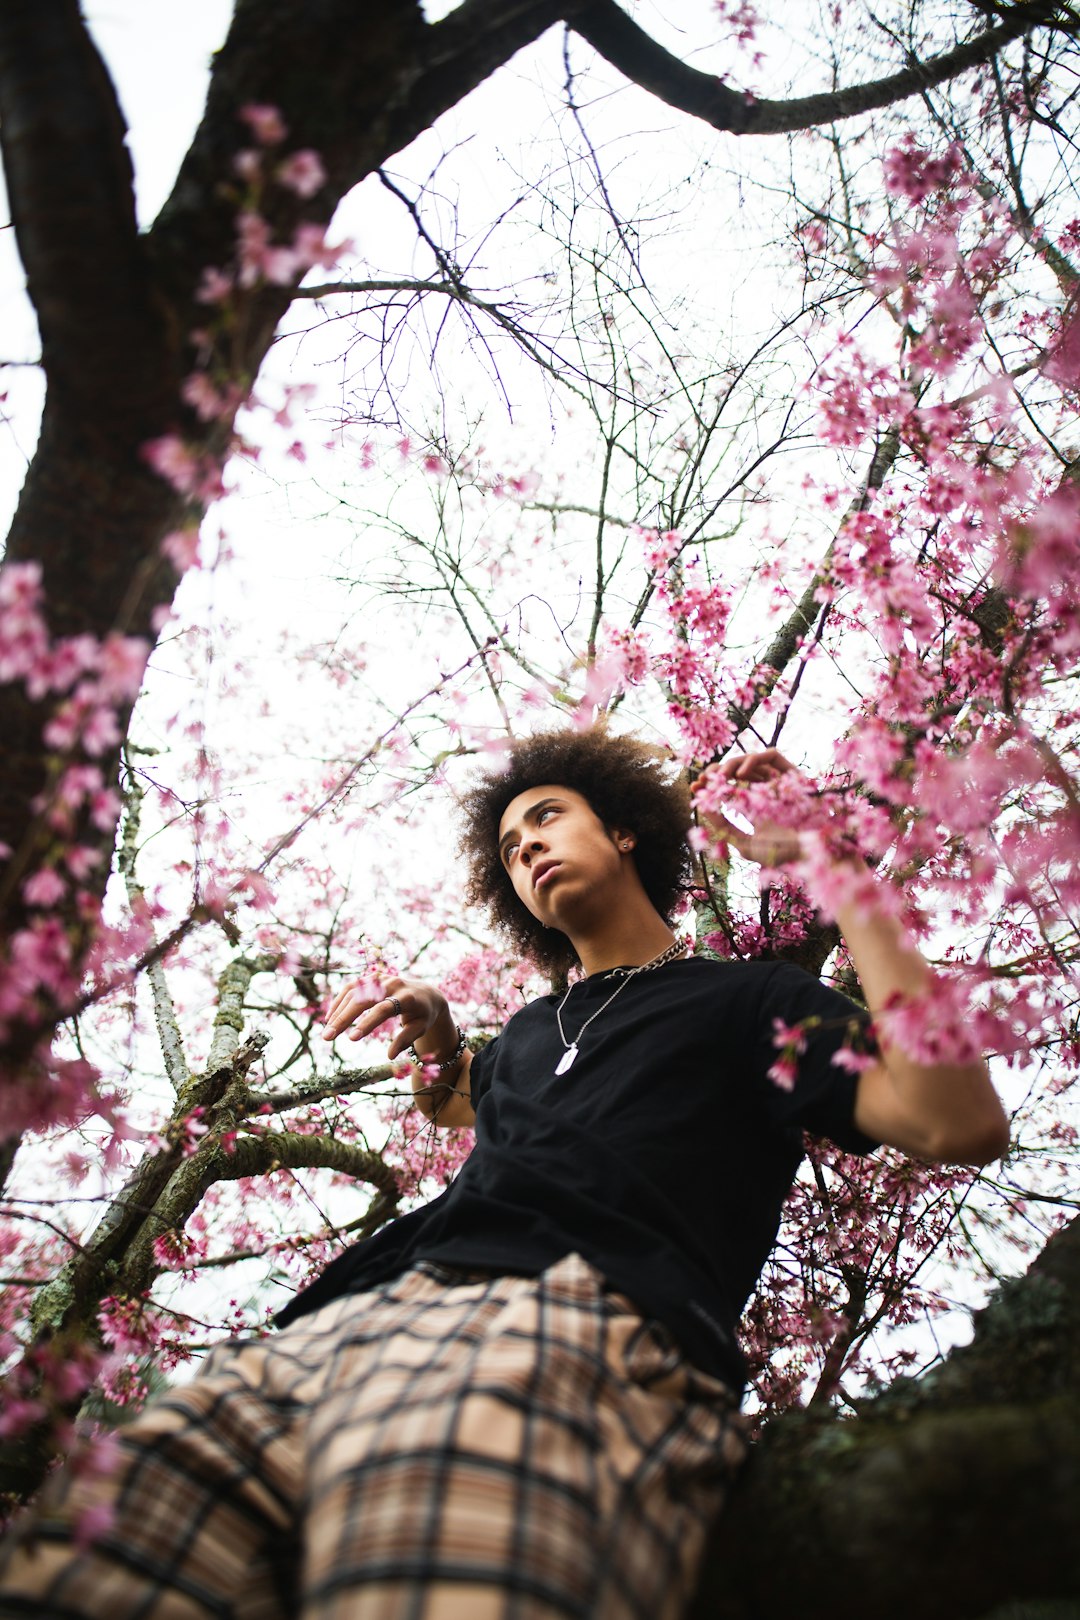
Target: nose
(530,850)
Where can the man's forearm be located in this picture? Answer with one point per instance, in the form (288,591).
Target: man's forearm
(940,1110)
(443,1097)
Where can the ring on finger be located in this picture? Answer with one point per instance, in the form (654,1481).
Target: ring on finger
(396,1004)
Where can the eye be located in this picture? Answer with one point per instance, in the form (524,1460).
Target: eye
(510,850)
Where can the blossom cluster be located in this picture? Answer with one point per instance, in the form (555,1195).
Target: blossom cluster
(85,685)
(946,601)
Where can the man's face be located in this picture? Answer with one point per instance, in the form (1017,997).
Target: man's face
(561,859)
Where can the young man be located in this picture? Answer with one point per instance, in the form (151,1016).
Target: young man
(520,1402)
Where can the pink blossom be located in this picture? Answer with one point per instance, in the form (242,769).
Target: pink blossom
(784,1072)
(24,641)
(190,1130)
(660,549)
(18,1415)
(181,547)
(121,666)
(81,861)
(173,1250)
(214,286)
(70,1379)
(60,668)
(264,121)
(44,888)
(99,1457)
(603,679)
(247,164)
(793,1035)
(1062,363)
(77,784)
(934,1027)
(790,1040)
(105,809)
(20,585)
(302,172)
(208,402)
(101,731)
(253,244)
(853,1062)
(310,247)
(279,265)
(124,1325)
(175,462)
(741,17)
(1044,560)
(630,650)
(911,172)
(254,887)
(62,731)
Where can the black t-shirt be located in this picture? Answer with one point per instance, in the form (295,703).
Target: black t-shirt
(663,1155)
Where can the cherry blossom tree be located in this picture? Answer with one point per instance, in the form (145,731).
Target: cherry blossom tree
(848,531)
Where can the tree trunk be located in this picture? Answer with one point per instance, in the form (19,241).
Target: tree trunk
(951,1496)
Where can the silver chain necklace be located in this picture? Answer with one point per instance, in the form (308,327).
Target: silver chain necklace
(677,947)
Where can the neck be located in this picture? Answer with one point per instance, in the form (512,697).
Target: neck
(623,940)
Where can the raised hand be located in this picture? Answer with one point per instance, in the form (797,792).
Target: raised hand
(770,843)
(362,1006)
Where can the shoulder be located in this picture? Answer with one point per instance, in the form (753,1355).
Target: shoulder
(708,991)
(761,991)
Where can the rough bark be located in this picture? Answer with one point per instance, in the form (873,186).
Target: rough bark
(954,1495)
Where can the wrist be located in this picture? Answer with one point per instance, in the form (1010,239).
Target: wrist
(440,1048)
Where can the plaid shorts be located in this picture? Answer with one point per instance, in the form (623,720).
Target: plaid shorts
(496,1448)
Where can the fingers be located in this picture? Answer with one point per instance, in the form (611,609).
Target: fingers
(768,844)
(342,996)
(761,767)
(361,1013)
(407,1036)
(356,1006)
(368,990)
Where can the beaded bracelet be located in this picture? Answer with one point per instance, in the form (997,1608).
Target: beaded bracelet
(429,1062)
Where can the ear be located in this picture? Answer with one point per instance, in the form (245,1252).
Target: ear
(624,839)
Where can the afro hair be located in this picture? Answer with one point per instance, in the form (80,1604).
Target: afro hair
(626,782)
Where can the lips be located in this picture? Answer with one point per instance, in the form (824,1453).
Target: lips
(543,871)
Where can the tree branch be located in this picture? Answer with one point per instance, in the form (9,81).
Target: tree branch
(287,1150)
(808,610)
(630,49)
(335,1085)
(232,987)
(168,1027)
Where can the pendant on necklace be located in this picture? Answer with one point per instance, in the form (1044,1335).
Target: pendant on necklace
(567,1059)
